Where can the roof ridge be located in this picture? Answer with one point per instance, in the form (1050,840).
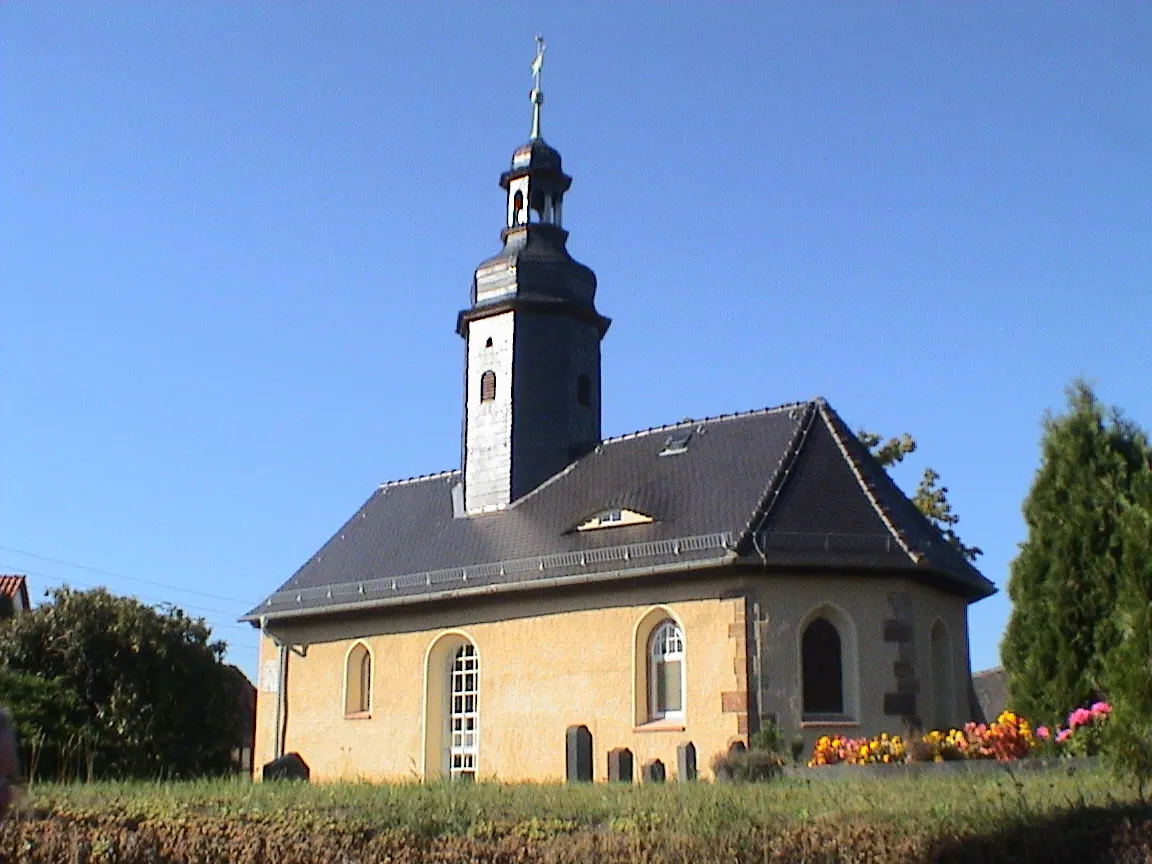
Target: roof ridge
(737,415)
(776,482)
(419,478)
(830,420)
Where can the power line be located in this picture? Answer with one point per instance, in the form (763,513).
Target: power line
(122,576)
(65,579)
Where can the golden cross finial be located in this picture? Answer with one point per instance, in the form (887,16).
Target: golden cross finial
(536,94)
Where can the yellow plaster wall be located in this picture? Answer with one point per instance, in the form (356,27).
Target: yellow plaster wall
(545,663)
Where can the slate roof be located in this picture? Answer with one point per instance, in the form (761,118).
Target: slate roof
(781,487)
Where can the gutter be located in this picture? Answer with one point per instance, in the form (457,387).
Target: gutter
(729,557)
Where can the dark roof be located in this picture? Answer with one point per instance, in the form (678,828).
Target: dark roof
(788,486)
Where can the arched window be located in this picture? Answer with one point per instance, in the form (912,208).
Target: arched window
(823,676)
(464,713)
(943,701)
(584,391)
(488,386)
(358,680)
(488,342)
(518,213)
(666,671)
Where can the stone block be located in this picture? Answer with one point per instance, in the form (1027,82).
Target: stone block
(620,765)
(290,766)
(734,701)
(897,630)
(653,772)
(686,762)
(578,746)
(899,704)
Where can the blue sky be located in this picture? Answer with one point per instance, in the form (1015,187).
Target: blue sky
(235,238)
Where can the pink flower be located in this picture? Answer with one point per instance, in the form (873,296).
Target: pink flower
(1062,735)
(1079,717)
(1100,709)
(1042,732)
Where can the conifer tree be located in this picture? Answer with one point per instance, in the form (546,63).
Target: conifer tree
(1129,672)
(1064,581)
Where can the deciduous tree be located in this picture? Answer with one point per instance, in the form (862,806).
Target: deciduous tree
(930,498)
(154,697)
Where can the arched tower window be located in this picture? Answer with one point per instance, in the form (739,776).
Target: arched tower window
(584,391)
(488,386)
(823,677)
(666,671)
(464,714)
(519,216)
(358,680)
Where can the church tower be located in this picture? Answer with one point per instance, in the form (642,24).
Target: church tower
(532,335)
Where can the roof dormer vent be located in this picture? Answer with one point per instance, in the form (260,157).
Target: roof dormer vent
(677,443)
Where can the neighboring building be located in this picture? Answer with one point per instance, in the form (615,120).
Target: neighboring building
(244,739)
(678,584)
(15,588)
(991,690)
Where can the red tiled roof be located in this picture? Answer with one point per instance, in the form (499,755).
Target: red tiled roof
(15,587)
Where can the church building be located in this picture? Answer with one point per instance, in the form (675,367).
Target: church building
(678,585)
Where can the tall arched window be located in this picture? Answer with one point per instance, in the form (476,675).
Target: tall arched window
(464,713)
(823,675)
(943,699)
(358,680)
(488,386)
(666,672)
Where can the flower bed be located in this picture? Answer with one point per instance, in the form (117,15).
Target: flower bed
(1009,737)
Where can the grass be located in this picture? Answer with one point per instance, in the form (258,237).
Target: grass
(939,804)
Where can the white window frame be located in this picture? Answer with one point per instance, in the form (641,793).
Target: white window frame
(665,644)
(463,714)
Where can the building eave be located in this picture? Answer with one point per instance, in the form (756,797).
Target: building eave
(257,618)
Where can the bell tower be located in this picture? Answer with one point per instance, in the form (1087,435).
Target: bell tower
(532,337)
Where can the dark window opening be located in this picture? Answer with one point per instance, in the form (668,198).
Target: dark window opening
(488,342)
(823,672)
(518,208)
(488,386)
(584,391)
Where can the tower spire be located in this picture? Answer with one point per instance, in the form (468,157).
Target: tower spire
(536,94)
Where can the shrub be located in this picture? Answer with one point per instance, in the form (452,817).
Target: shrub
(767,738)
(747,766)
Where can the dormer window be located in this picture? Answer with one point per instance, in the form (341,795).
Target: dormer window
(614,518)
